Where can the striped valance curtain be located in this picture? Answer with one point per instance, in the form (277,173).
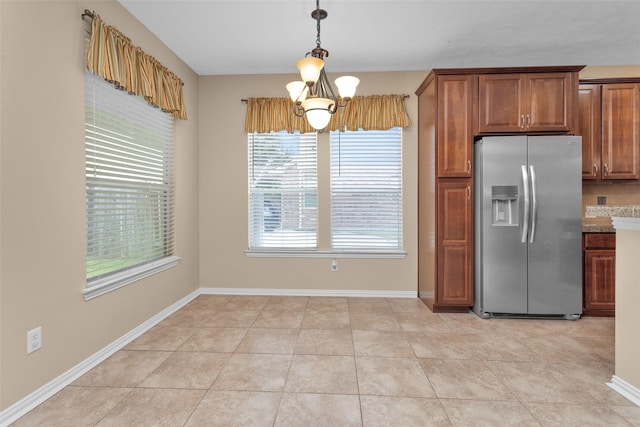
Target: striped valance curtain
(113,57)
(266,115)
(375,112)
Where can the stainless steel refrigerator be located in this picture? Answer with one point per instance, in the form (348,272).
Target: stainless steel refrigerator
(528,227)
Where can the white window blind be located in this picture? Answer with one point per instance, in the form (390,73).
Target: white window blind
(366,190)
(283,191)
(128,180)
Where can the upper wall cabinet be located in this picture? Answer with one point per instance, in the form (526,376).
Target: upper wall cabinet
(589,119)
(609,122)
(526,102)
(454,125)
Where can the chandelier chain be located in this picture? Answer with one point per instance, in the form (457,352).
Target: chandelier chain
(318,22)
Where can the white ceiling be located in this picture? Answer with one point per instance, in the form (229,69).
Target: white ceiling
(216,37)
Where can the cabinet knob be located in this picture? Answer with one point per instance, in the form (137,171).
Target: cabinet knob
(606,169)
(469,166)
(528,120)
(522,121)
(468,192)
(595,170)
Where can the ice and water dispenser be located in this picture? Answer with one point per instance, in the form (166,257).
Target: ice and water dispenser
(504,203)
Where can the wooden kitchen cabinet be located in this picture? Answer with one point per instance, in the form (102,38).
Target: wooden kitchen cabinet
(454,239)
(445,156)
(609,122)
(599,291)
(451,105)
(454,124)
(621,131)
(526,102)
(589,107)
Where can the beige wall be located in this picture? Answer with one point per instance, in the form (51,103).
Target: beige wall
(223,195)
(627,315)
(42,196)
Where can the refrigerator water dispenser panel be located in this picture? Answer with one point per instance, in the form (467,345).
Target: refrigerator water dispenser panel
(504,200)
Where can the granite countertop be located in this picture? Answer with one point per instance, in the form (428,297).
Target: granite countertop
(597,228)
(597,219)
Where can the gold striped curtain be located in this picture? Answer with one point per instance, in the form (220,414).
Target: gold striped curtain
(375,112)
(266,115)
(113,57)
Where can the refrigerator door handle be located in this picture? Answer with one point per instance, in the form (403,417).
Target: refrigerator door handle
(525,211)
(534,203)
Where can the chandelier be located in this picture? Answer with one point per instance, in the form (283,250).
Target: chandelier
(314,97)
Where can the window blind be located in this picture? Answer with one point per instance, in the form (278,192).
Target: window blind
(128,168)
(366,189)
(283,190)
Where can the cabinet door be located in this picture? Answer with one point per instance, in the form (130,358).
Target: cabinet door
(455,137)
(548,102)
(599,280)
(621,131)
(454,238)
(589,114)
(501,102)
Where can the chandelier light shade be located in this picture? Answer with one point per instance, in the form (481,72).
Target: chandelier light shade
(314,96)
(347,86)
(297,91)
(318,111)
(310,69)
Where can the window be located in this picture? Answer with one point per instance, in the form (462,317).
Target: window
(366,190)
(283,191)
(128,187)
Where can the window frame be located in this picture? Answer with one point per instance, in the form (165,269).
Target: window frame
(361,155)
(274,173)
(118,277)
(326,251)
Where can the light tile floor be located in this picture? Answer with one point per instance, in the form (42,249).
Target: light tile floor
(316,361)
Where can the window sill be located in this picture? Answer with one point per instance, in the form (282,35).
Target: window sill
(126,277)
(257,253)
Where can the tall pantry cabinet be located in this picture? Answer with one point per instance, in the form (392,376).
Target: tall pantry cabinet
(454,107)
(445,201)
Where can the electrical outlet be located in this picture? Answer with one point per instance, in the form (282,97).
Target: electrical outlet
(334,265)
(34,339)
(602,200)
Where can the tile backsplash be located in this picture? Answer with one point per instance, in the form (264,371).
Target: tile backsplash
(610,211)
(618,193)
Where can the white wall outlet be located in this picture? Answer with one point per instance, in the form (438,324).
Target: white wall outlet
(334,265)
(34,339)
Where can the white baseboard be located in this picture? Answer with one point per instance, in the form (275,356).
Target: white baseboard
(624,388)
(23,406)
(34,399)
(427,294)
(308,292)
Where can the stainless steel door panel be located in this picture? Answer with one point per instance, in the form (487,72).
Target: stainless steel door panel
(503,257)
(555,257)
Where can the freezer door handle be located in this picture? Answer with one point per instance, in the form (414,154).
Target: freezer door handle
(534,202)
(525,211)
